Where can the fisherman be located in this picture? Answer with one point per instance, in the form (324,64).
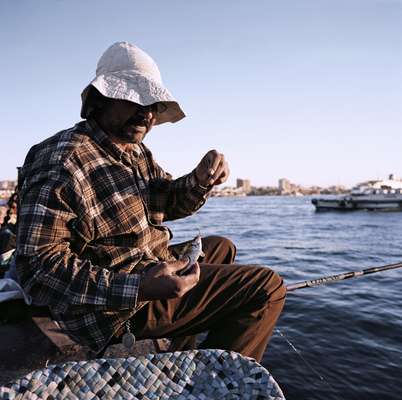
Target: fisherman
(91,244)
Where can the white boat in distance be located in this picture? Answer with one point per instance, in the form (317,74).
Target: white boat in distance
(383,195)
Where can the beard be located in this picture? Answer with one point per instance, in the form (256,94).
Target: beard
(133,130)
(130,136)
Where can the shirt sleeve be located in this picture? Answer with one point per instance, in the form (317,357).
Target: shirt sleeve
(177,198)
(48,268)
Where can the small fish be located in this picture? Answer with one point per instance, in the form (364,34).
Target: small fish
(192,251)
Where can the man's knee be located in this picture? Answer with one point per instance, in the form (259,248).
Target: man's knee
(273,286)
(276,288)
(221,241)
(221,248)
(226,244)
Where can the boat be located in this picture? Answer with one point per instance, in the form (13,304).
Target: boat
(381,195)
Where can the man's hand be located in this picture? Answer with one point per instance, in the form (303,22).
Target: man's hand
(161,282)
(213,169)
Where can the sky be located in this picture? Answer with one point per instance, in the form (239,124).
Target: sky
(310,90)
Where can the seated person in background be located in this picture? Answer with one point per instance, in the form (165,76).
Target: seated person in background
(7,234)
(91,245)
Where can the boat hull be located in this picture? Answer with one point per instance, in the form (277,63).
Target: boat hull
(350,204)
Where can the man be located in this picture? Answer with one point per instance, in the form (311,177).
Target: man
(91,244)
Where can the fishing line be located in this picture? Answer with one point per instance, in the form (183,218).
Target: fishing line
(298,352)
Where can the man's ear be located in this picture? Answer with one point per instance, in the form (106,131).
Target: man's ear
(97,105)
(99,102)
(96,101)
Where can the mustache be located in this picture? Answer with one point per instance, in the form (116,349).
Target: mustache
(137,120)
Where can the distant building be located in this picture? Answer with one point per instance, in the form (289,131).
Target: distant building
(244,184)
(284,185)
(264,191)
(227,192)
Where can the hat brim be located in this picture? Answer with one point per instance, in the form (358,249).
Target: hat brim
(137,88)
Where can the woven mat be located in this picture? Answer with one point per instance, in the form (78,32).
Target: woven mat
(189,375)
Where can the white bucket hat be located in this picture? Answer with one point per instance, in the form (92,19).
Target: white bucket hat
(125,72)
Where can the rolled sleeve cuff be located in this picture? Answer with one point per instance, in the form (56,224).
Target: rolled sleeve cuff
(123,291)
(193,183)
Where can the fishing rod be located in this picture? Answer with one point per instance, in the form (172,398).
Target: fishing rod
(340,277)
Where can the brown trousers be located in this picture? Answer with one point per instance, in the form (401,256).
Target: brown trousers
(237,305)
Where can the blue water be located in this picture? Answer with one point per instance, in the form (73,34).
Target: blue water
(349,333)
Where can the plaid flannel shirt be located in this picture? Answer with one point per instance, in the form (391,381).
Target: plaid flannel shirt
(90,219)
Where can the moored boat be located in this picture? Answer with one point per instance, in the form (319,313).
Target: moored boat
(381,195)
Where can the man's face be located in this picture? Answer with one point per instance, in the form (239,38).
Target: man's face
(127,121)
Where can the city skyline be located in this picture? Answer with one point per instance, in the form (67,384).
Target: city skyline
(306,90)
(246,184)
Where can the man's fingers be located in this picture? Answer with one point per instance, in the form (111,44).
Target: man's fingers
(192,276)
(218,172)
(223,175)
(215,168)
(215,161)
(162,282)
(175,266)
